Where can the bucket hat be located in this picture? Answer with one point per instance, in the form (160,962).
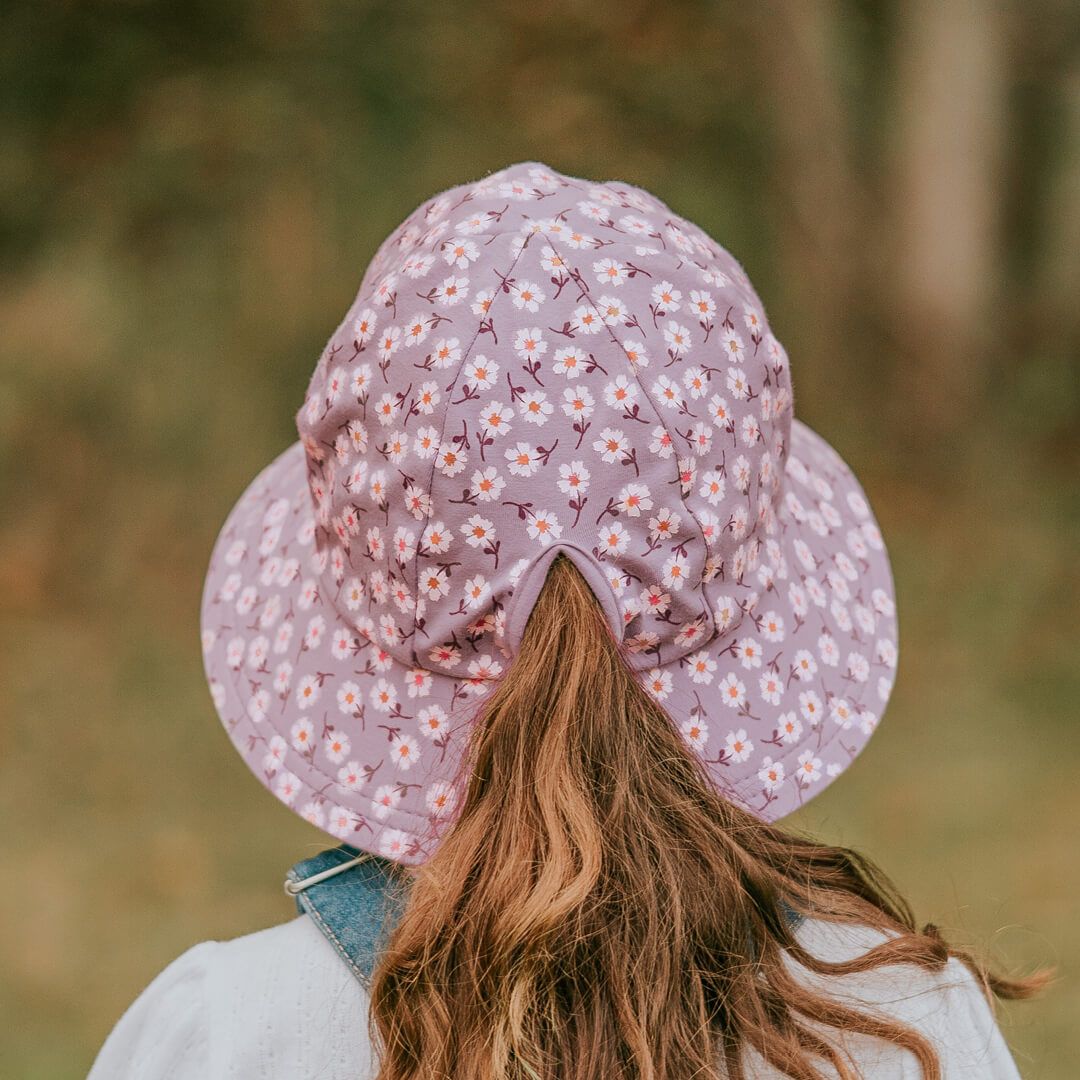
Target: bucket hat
(537,363)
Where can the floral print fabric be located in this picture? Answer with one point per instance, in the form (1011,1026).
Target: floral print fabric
(536,362)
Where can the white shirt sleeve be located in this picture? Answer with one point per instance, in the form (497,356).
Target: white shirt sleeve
(963,1029)
(947,1007)
(163,1033)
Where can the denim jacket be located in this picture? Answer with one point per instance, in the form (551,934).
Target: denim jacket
(357,909)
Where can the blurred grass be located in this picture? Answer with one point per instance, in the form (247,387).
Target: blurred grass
(189,197)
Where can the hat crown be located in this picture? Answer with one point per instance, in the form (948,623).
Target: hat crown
(535,360)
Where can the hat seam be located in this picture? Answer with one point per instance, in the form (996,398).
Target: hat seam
(706,606)
(442,432)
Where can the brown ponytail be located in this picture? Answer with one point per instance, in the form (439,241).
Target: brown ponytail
(600,912)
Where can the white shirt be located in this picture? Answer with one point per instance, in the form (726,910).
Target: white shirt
(280,1003)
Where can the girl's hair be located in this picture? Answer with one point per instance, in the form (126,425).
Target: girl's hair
(599,911)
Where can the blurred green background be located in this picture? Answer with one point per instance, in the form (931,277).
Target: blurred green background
(190,193)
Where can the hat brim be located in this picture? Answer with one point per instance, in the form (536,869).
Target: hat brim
(369,749)
(287,698)
(771,747)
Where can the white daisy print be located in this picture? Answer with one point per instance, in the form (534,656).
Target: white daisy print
(612,310)
(733,346)
(811,708)
(588,320)
(771,687)
(416,330)
(610,272)
(613,540)
(841,712)
(452,291)
(446,352)
(658,683)
(440,799)
(385,800)
(569,361)
(434,582)
(307,691)
(574,478)
(276,749)
(478,531)
(339,822)
(577,402)
(666,298)
(364,326)
(732,691)
(612,445)
(336,746)
(383,695)
(621,393)
(789,728)
(529,344)
(301,733)
(526,296)
(677,339)
(450,460)
(460,252)
(532,361)
(481,373)
(809,769)
(486,484)
(436,538)
(348,697)
(477,591)
(633,499)
(393,843)
(495,418)
(702,667)
(695,732)
(523,459)
(287,787)
(771,773)
(748,652)
(432,721)
(738,746)
(544,526)
(535,407)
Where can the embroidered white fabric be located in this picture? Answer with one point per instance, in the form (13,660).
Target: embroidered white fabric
(280,1003)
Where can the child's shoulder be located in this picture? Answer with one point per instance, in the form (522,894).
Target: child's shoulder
(945,1004)
(840,942)
(278,998)
(284,967)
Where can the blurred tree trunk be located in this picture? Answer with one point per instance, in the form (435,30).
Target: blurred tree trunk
(946,179)
(1059,280)
(817,200)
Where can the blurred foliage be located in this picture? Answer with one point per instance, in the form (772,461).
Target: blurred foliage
(188,197)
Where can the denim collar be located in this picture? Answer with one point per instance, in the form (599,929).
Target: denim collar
(357,909)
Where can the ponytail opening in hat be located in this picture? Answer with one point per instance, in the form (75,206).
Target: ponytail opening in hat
(600,910)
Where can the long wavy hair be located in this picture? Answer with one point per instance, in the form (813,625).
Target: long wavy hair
(599,911)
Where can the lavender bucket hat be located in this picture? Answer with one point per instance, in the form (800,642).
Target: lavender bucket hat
(537,363)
